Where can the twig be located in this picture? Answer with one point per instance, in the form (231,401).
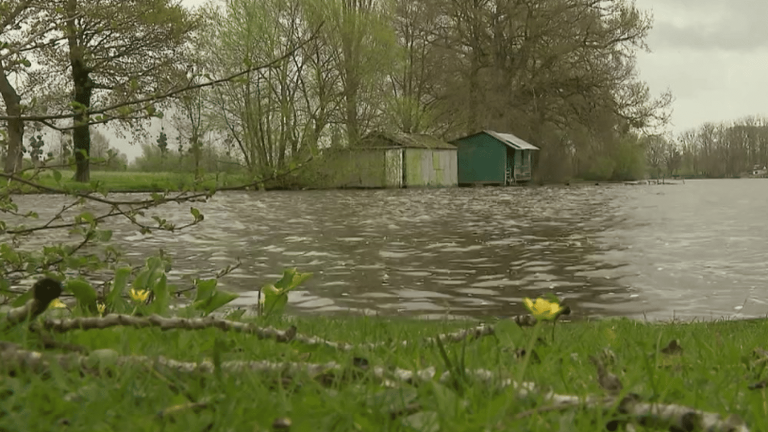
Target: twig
(675,416)
(524,320)
(90,323)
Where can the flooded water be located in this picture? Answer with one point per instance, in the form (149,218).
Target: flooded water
(693,250)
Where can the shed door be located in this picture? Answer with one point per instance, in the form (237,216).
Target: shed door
(394,168)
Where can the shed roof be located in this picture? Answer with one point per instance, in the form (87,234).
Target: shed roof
(509,139)
(405,140)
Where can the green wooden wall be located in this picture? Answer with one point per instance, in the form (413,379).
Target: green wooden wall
(481,159)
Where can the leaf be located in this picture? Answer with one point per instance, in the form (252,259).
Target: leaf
(274,300)
(22,299)
(86,216)
(196,213)
(236,315)
(291,279)
(162,296)
(217,300)
(57,176)
(147,277)
(83,292)
(104,235)
(118,286)
(205,289)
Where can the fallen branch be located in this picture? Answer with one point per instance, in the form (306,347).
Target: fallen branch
(676,417)
(90,323)
(44,292)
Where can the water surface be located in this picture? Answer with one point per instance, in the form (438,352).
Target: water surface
(693,250)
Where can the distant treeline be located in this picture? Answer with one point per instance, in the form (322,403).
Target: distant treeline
(713,150)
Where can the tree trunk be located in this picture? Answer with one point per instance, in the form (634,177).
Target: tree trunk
(15,127)
(81,134)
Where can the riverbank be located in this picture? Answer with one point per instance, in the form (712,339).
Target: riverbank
(147,182)
(134,182)
(711,367)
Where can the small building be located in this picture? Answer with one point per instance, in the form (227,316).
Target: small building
(394,159)
(493,158)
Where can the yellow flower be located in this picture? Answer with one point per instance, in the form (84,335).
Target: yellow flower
(101,307)
(56,304)
(139,296)
(542,309)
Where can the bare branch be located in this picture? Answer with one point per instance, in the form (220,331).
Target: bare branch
(45,118)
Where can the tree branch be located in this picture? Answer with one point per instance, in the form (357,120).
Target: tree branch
(43,118)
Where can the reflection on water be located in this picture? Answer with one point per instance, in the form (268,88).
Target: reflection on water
(695,249)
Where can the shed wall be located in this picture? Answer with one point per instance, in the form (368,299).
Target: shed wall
(430,167)
(481,159)
(357,168)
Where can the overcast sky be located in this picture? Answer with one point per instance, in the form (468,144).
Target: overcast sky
(712,55)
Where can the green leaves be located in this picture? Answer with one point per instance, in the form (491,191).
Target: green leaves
(114,298)
(208,298)
(83,292)
(275,297)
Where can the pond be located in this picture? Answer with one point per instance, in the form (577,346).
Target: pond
(698,249)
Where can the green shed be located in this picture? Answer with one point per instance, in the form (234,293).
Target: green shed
(493,158)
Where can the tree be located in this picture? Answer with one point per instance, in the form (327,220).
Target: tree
(189,120)
(656,153)
(162,144)
(106,157)
(23,30)
(275,115)
(415,79)
(551,71)
(36,144)
(673,158)
(117,51)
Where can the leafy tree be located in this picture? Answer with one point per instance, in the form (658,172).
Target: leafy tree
(25,29)
(36,144)
(105,156)
(274,115)
(162,143)
(118,52)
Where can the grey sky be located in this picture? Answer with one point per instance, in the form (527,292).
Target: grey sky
(712,55)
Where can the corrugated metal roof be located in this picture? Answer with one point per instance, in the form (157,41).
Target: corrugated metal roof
(400,139)
(512,140)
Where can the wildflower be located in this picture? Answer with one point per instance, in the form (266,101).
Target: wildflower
(56,304)
(101,307)
(543,309)
(139,296)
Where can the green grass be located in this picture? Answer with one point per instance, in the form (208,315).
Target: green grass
(712,374)
(133,181)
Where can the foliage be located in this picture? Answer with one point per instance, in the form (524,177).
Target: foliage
(275,296)
(162,143)
(559,74)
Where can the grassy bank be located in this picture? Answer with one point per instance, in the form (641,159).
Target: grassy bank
(130,181)
(713,373)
